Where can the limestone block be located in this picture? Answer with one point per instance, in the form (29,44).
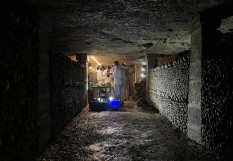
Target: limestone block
(195,70)
(196,45)
(194,92)
(194,115)
(196,23)
(194,133)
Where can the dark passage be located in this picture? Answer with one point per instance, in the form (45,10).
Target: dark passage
(132,134)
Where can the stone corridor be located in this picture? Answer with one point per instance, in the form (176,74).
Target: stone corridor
(131,134)
(179,59)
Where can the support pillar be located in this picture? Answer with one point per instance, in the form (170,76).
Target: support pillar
(205,46)
(82,59)
(137,72)
(194,107)
(151,61)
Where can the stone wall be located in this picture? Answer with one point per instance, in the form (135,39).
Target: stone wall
(211,75)
(217,96)
(168,91)
(19,77)
(68,90)
(194,123)
(165,59)
(25,79)
(217,100)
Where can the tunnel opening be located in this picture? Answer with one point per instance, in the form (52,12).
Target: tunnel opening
(101,81)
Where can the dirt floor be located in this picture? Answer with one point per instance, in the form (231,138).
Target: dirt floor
(131,134)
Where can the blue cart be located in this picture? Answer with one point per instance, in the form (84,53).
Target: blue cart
(104,100)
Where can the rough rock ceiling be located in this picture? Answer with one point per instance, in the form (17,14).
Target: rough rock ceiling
(226,25)
(124,27)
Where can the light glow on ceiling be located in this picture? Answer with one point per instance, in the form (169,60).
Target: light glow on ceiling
(95,60)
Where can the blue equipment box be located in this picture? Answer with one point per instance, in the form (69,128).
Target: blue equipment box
(115,105)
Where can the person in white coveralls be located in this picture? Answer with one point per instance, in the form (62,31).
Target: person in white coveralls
(117,75)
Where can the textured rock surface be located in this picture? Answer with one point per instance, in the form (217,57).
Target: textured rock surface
(217,99)
(19,77)
(216,90)
(124,26)
(68,90)
(169,91)
(136,135)
(194,123)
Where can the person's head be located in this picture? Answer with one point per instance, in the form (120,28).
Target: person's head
(116,63)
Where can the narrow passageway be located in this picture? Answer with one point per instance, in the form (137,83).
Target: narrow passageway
(131,134)
(58,56)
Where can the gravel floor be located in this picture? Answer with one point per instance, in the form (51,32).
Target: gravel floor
(131,134)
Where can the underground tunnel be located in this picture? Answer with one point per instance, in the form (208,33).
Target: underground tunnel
(178,56)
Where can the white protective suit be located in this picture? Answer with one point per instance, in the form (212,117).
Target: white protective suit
(99,77)
(125,84)
(117,74)
(104,76)
(112,78)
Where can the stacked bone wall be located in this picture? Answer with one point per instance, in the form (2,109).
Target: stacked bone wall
(217,99)
(68,90)
(168,91)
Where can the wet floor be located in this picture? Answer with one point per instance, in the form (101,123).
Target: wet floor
(131,134)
